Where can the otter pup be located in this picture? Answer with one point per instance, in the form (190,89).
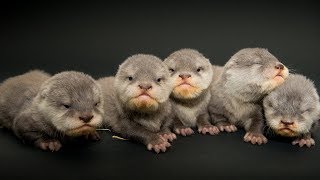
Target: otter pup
(136,101)
(192,74)
(45,111)
(293,110)
(237,95)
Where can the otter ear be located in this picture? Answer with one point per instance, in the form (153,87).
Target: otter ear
(43,92)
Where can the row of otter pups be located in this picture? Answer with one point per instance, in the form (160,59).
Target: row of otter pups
(150,101)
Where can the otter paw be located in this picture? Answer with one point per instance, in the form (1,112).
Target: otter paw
(255,138)
(184,131)
(307,141)
(94,136)
(228,128)
(212,130)
(49,145)
(158,145)
(168,136)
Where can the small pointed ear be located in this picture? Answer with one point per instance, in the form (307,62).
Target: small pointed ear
(44,91)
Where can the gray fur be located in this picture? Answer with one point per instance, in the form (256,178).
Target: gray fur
(236,96)
(32,105)
(190,108)
(295,101)
(138,121)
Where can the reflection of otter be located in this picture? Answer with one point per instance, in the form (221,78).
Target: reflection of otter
(42,110)
(293,109)
(136,101)
(247,77)
(192,74)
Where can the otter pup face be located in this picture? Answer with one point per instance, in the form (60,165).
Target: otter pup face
(190,71)
(254,70)
(72,101)
(142,83)
(293,107)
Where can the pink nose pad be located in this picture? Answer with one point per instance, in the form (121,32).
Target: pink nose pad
(287,123)
(145,86)
(279,66)
(185,76)
(86,118)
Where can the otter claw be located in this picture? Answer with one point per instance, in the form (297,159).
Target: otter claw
(255,138)
(212,130)
(168,136)
(158,146)
(304,142)
(228,128)
(184,131)
(51,145)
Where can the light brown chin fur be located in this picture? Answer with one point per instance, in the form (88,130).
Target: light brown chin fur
(80,131)
(287,133)
(186,93)
(144,105)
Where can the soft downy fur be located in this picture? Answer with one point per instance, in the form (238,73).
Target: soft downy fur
(237,94)
(293,110)
(45,111)
(191,74)
(137,105)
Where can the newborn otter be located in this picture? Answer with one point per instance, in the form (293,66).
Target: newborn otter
(237,95)
(45,111)
(136,101)
(293,110)
(192,74)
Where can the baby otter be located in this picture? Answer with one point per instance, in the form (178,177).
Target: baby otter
(45,111)
(191,73)
(293,110)
(136,101)
(237,95)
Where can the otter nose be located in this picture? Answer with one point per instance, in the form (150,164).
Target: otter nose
(86,117)
(185,76)
(279,66)
(287,123)
(145,86)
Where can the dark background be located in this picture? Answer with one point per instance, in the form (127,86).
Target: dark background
(96,37)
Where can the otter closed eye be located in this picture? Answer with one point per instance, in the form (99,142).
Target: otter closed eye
(199,69)
(66,106)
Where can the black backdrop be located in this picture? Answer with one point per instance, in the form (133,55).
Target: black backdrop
(96,37)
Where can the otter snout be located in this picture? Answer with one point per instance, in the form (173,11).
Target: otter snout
(287,122)
(145,86)
(184,76)
(86,117)
(279,66)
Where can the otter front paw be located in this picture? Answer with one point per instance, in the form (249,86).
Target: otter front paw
(169,136)
(158,145)
(228,128)
(255,138)
(184,131)
(49,145)
(212,130)
(94,136)
(305,141)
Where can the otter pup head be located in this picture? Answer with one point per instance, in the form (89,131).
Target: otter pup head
(142,83)
(190,71)
(252,73)
(72,102)
(293,107)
